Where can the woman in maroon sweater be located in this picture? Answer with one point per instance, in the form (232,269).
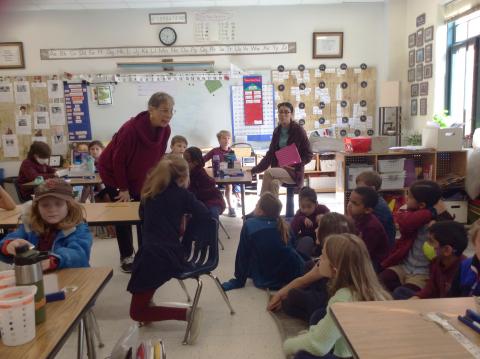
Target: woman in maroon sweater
(36,164)
(286,133)
(123,166)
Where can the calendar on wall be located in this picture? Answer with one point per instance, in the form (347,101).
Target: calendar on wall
(247,133)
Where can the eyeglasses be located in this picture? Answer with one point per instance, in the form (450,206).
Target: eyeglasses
(284,112)
(166,111)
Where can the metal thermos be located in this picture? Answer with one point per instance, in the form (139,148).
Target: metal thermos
(28,271)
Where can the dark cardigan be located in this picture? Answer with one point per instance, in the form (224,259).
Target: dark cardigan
(296,135)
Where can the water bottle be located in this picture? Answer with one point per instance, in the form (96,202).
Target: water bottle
(28,271)
(215,165)
(90,164)
(231,159)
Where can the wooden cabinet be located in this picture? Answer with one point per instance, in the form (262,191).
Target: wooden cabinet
(437,166)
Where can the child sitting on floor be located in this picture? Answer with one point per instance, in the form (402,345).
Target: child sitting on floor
(54,223)
(305,222)
(346,262)
(407,265)
(467,280)
(446,240)
(263,252)
(221,151)
(360,207)
(306,297)
(164,200)
(381,210)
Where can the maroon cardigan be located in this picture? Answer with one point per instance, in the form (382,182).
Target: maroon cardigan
(29,170)
(298,222)
(204,188)
(296,135)
(133,151)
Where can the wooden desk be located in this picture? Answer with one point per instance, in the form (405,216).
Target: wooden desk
(97,214)
(241,181)
(74,181)
(396,329)
(62,316)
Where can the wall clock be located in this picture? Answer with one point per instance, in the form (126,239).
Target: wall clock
(167,36)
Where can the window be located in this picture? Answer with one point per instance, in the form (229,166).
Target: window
(462,97)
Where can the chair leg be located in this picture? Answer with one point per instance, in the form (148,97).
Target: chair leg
(222,292)
(193,310)
(96,328)
(224,229)
(182,284)
(221,244)
(289,213)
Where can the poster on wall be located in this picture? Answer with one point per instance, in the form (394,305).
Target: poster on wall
(253,104)
(78,116)
(23,125)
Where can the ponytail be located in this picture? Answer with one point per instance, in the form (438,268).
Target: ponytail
(282,227)
(160,177)
(272,207)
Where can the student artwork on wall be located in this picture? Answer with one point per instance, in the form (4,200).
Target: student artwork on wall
(10,145)
(414,90)
(428,53)
(423,88)
(104,95)
(413,107)
(428,71)
(411,75)
(6,92)
(22,92)
(429,34)
(23,125)
(423,106)
(411,58)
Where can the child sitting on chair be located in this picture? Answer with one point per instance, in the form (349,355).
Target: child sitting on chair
(178,145)
(263,252)
(224,149)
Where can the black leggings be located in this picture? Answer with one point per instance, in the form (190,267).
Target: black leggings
(124,231)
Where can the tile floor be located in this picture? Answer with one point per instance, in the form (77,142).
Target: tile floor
(250,333)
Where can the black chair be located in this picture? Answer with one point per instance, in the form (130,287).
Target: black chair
(202,261)
(290,208)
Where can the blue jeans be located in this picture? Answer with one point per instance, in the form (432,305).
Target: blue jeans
(403,293)
(306,355)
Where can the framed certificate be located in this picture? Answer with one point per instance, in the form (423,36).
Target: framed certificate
(11,55)
(327,45)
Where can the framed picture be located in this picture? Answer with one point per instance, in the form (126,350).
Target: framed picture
(411,58)
(429,34)
(428,52)
(414,90)
(420,55)
(419,41)
(411,75)
(423,87)
(428,71)
(327,45)
(413,107)
(412,40)
(421,19)
(11,55)
(419,72)
(423,106)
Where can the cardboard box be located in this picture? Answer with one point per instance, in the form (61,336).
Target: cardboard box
(443,139)
(380,144)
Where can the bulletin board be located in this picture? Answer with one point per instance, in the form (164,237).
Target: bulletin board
(32,108)
(339,101)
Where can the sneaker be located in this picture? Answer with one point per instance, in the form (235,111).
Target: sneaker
(231,212)
(195,328)
(126,264)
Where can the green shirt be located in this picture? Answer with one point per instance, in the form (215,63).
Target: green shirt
(283,137)
(320,338)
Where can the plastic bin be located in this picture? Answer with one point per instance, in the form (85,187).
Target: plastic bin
(393,180)
(443,139)
(392,165)
(17,315)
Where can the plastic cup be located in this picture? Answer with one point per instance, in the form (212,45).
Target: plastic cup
(17,315)
(7,279)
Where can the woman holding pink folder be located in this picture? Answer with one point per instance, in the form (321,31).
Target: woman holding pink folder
(287,132)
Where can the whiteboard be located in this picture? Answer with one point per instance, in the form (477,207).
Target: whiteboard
(199,116)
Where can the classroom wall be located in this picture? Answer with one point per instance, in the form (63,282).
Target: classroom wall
(362,24)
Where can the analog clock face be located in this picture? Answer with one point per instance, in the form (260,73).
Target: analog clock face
(167,36)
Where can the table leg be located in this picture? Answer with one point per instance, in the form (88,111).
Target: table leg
(242,191)
(80,340)
(91,351)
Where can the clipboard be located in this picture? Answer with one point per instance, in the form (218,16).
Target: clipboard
(288,155)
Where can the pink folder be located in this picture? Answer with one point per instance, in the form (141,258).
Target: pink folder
(288,155)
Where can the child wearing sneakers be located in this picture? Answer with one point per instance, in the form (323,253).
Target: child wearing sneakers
(305,222)
(407,265)
(221,151)
(446,241)
(178,145)
(360,207)
(381,210)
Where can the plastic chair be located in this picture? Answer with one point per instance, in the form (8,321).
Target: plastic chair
(290,208)
(14,181)
(202,261)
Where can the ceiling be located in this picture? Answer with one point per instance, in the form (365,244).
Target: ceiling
(40,5)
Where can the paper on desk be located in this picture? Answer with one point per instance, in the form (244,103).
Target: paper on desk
(50,283)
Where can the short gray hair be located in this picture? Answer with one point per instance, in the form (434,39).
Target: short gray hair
(159,98)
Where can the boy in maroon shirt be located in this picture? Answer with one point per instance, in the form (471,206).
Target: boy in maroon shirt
(360,207)
(448,240)
(305,222)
